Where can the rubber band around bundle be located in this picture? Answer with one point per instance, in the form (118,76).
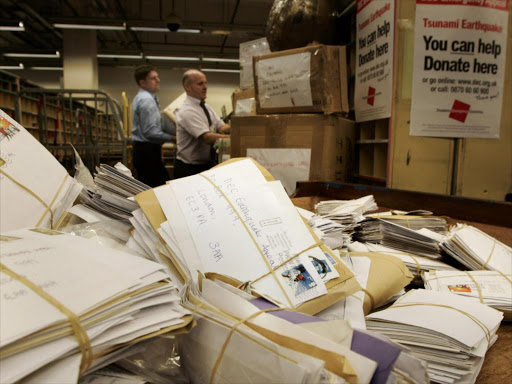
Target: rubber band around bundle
(271,270)
(372,300)
(231,331)
(80,333)
(33,194)
(477,287)
(471,317)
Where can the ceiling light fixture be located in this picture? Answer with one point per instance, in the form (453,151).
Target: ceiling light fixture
(220,60)
(189,30)
(19,27)
(172,58)
(19,66)
(47,68)
(55,55)
(162,29)
(108,56)
(92,26)
(220,70)
(222,32)
(149,29)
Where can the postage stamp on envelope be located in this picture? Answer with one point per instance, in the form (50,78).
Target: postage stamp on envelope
(299,279)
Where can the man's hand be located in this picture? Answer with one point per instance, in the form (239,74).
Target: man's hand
(211,137)
(225,129)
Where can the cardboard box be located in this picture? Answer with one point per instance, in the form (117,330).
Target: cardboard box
(304,80)
(243,102)
(247,50)
(331,140)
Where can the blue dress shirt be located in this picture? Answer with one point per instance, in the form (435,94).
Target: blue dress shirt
(146,120)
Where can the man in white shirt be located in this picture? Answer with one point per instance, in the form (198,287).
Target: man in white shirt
(198,128)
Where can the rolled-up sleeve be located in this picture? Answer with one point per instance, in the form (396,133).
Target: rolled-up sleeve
(151,123)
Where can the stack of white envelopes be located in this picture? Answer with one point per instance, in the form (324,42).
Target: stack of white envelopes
(489,287)
(36,189)
(232,221)
(342,208)
(408,240)
(415,263)
(337,219)
(450,332)
(69,303)
(113,188)
(235,341)
(477,250)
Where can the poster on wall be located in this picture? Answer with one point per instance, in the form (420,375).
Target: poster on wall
(374,59)
(459,68)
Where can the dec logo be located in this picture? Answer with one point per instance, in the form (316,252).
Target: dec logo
(459,111)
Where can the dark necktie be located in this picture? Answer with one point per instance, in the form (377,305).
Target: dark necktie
(206,113)
(213,153)
(157,102)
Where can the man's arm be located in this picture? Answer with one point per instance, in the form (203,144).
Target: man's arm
(211,137)
(225,129)
(151,122)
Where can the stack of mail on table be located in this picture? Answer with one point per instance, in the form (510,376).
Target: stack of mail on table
(450,332)
(477,250)
(232,221)
(337,219)
(341,208)
(433,223)
(283,346)
(416,264)
(98,300)
(112,190)
(36,189)
(410,241)
(488,287)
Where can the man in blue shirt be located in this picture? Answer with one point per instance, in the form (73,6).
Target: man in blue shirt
(147,133)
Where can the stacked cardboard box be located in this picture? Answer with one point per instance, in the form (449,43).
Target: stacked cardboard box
(300,102)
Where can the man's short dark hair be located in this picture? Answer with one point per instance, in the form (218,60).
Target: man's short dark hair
(141,72)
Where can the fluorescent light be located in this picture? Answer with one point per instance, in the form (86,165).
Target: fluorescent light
(149,29)
(222,32)
(20,27)
(92,26)
(162,29)
(106,56)
(172,58)
(220,60)
(47,68)
(39,55)
(19,66)
(189,30)
(220,70)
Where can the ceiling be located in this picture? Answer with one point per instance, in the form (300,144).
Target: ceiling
(224,24)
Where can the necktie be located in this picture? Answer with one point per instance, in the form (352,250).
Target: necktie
(206,113)
(157,102)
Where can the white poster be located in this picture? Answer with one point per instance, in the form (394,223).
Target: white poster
(284,81)
(286,165)
(374,59)
(459,65)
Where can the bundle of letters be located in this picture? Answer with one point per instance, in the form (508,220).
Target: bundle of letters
(240,338)
(337,219)
(416,264)
(111,193)
(477,250)
(450,332)
(488,287)
(68,304)
(207,219)
(422,242)
(369,229)
(36,189)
